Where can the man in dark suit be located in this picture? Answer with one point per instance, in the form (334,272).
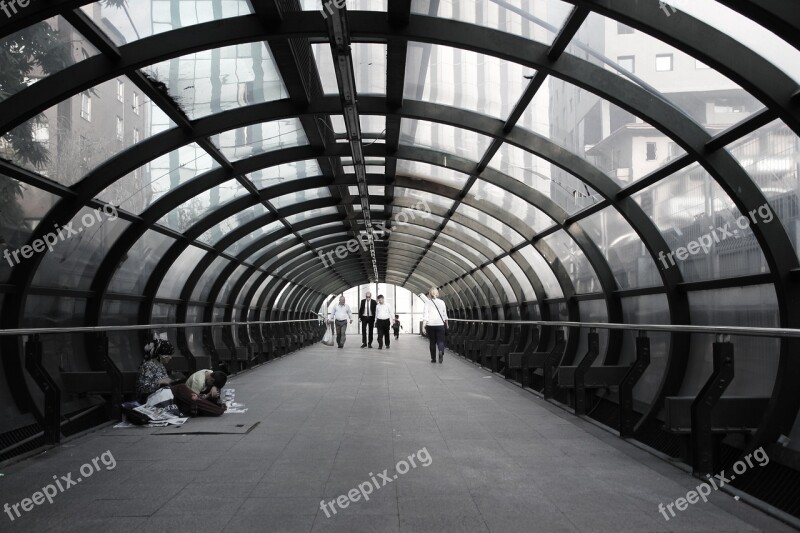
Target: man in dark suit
(366,314)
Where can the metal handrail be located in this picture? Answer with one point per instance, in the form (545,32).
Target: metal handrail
(137,327)
(671,328)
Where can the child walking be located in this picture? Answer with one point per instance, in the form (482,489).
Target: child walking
(397,326)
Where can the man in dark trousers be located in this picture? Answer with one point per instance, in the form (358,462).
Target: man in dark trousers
(366,314)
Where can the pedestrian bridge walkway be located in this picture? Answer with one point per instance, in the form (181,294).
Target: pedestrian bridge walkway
(333,426)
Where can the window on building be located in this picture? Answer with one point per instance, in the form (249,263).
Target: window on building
(627,62)
(120,91)
(674,150)
(663,62)
(651,151)
(622,29)
(119,129)
(86,106)
(135,101)
(136,136)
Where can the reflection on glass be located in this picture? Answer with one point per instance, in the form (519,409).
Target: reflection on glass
(565,189)
(202,290)
(647,309)
(242,218)
(508,295)
(516,207)
(313,213)
(771,156)
(434,173)
(212,81)
(293,198)
(457,141)
(508,233)
(141,260)
(227,287)
(192,211)
(124,24)
(464,79)
(525,284)
(459,231)
(707,235)
(173,282)
(544,272)
(261,138)
(144,186)
(632,265)
(574,261)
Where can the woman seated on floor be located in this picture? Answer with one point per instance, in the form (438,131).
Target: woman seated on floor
(200,395)
(153,372)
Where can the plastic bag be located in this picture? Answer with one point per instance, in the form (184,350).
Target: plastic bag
(327,340)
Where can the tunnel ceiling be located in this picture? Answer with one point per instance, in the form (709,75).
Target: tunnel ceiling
(509,151)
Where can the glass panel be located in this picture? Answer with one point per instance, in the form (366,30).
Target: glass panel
(253,276)
(300,196)
(230,281)
(483,191)
(649,309)
(708,97)
(233,222)
(509,296)
(491,223)
(575,262)
(538,20)
(286,172)
(74,258)
(173,282)
(74,137)
(210,275)
(237,247)
(36,52)
(259,254)
(319,227)
(212,81)
(372,124)
(190,212)
(22,208)
(434,173)
(753,36)
(756,357)
(373,190)
(144,186)
(592,311)
(369,67)
(463,79)
(461,142)
(260,138)
(564,188)
(544,272)
(141,260)
(458,230)
(313,213)
(123,24)
(445,250)
(708,236)
(327,73)
(631,263)
(525,284)
(429,199)
(771,155)
(260,290)
(617,142)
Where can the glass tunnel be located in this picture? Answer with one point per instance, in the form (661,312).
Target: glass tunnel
(550,166)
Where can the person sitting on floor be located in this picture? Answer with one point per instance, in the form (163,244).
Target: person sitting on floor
(153,372)
(200,395)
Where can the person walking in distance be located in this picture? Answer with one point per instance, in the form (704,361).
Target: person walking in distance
(383,319)
(340,314)
(366,314)
(434,322)
(397,326)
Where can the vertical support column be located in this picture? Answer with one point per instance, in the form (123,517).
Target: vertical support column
(626,418)
(52,394)
(703,445)
(579,377)
(551,362)
(114,373)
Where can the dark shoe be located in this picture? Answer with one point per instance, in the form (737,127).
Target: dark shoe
(441,356)
(363,345)
(370,345)
(379,347)
(433,360)
(341,346)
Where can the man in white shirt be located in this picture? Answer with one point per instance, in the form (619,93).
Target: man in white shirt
(340,314)
(383,318)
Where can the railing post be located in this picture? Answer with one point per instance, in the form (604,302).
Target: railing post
(551,361)
(704,454)
(579,377)
(114,373)
(52,394)
(626,419)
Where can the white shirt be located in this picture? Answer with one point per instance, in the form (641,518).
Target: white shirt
(432,310)
(341,312)
(383,312)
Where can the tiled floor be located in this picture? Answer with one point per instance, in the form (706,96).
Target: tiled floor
(500,460)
